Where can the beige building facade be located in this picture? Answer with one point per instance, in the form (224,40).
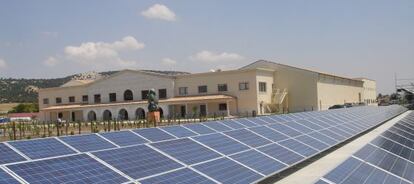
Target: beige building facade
(259,88)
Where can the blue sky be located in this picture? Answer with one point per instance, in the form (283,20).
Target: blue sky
(49,38)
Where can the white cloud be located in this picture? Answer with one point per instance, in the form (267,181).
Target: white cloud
(159,11)
(168,61)
(3,63)
(209,56)
(51,61)
(103,54)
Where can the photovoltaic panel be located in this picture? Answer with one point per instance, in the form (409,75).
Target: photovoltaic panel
(309,124)
(178,131)
(267,119)
(42,148)
(221,143)
(217,126)
(269,133)
(138,161)
(395,148)
(314,143)
(340,132)
(259,162)
(333,135)
(258,121)
(153,134)
(319,122)
(181,176)
(298,147)
(282,154)
(199,128)
(186,150)
(247,137)
(8,155)
(277,119)
(70,169)
(226,171)
(124,138)
(285,129)
(5,178)
(246,122)
(301,128)
(86,143)
(323,138)
(233,124)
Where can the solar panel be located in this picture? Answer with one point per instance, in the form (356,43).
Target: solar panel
(5,178)
(258,121)
(178,131)
(124,138)
(269,133)
(138,161)
(232,124)
(298,147)
(301,128)
(70,169)
(309,124)
(217,126)
(314,143)
(186,150)
(333,135)
(225,170)
(154,134)
(247,137)
(199,128)
(323,138)
(259,162)
(8,155)
(181,176)
(285,129)
(282,154)
(221,143)
(42,148)
(86,143)
(245,122)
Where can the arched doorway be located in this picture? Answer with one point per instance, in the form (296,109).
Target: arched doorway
(107,115)
(123,115)
(161,112)
(91,116)
(128,95)
(140,113)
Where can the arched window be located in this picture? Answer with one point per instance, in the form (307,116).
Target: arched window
(128,95)
(107,115)
(140,113)
(91,116)
(123,115)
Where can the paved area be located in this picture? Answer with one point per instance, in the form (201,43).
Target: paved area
(312,172)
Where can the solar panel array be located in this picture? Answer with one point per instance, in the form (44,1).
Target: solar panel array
(389,158)
(245,150)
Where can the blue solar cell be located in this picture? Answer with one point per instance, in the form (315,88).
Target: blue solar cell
(8,155)
(301,128)
(323,138)
(359,175)
(269,133)
(267,119)
(340,132)
(182,176)
(70,169)
(259,162)
(314,143)
(309,124)
(282,154)
(319,122)
(124,138)
(86,143)
(342,171)
(225,171)
(258,121)
(199,128)
(217,126)
(154,134)
(42,148)
(221,143)
(332,135)
(298,147)
(377,176)
(186,150)
(178,131)
(232,124)
(284,129)
(248,137)
(138,161)
(6,178)
(365,151)
(277,119)
(246,122)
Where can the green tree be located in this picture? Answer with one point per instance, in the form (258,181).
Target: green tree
(25,107)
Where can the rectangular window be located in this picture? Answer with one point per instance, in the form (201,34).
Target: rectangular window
(222,107)
(202,89)
(58,100)
(243,86)
(71,99)
(85,98)
(182,91)
(222,87)
(162,93)
(45,100)
(144,94)
(262,86)
(112,97)
(97,98)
